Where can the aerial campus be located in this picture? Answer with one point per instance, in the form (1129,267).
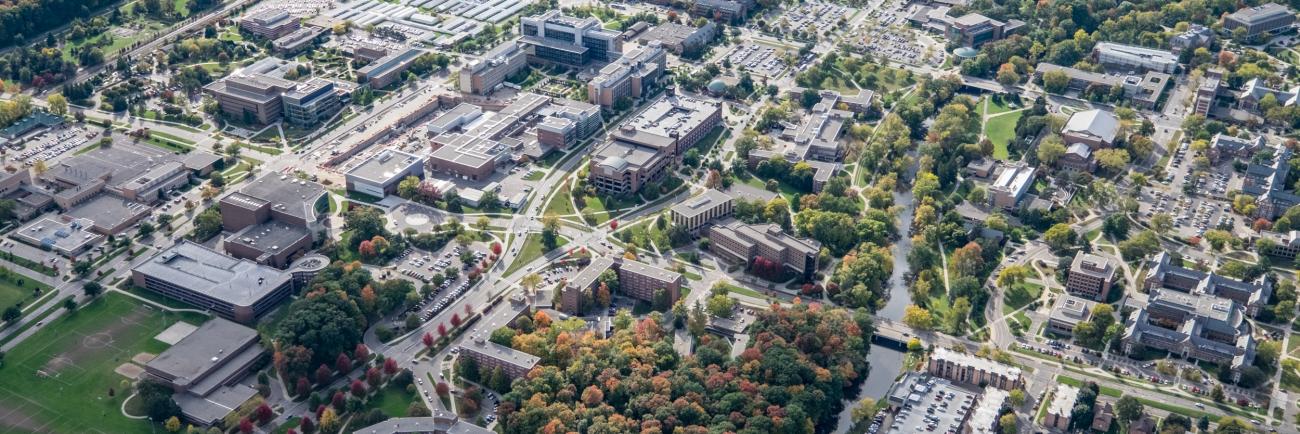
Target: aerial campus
(686,217)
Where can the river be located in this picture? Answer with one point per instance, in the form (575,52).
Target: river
(886,363)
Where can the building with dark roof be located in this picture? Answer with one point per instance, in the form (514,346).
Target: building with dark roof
(205,368)
(1266,180)
(273,220)
(1223,145)
(1268,17)
(739,242)
(1194,325)
(973,30)
(1196,36)
(269,23)
(1164,274)
(236,289)
(570,41)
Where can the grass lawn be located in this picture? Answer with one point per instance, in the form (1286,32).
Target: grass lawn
(270,150)
(1000,130)
(787,191)
(744,291)
(531,249)
(392,400)
(1019,295)
(78,354)
(28,264)
(595,207)
(1293,346)
(994,107)
(535,175)
(15,288)
(561,204)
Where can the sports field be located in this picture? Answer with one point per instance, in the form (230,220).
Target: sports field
(58,380)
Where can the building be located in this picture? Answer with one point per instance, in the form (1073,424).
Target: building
(680,38)
(39,120)
(973,30)
(269,23)
(1068,312)
(641,149)
(1193,325)
(61,234)
(1096,128)
(1223,145)
(366,52)
(468,143)
(1284,246)
(1011,185)
(236,289)
(297,40)
(555,38)
(250,97)
(1164,274)
(311,103)
(1090,277)
(1196,36)
(1265,18)
(635,279)
(1062,406)
(1103,416)
(1144,90)
(205,369)
(1078,157)
(968,369)
(379,175)
(695,212)
(1256,90)
(1208,91)
(388,69)
(483,76)
(816,137)
(491,356)
(632,76)
(1266,179)
(1133,58)
(983,418)
(440,423)
(28,199)
(732,11)
(743,243)
(273,220)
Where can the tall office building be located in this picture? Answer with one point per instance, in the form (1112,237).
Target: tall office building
(555,38)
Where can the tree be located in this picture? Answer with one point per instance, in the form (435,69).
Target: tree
(1017,397)
(1007,75)
(1056,81)
(1116,225)
(1267,353)
(1128,409)
(264,414)
(70,304)
(58,104)
(530,282)
(12,313)
(1217,393)
(918,317)
(1112,160)
(92,289)
(1060,237)
(1008,423)
(173,424)
(865,410)
(1050,150)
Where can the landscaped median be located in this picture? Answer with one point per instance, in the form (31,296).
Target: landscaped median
(1191,413)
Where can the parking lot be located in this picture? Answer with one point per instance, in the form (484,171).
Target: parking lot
(53,143)
(1197,202)
(446,271)
(758,59)
(888,35)
(817,16)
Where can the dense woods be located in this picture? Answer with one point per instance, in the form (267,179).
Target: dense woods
(801,363)
(26,18)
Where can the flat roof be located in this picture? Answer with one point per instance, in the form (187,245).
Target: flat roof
(270,236)
(52,231)
(287,194)
(647,270)
(193,266)
(1092,265)
(108,211)
(386,166)
(394,60)
(481,345)
(699,204)
(986,365)
(1261,12)
(200,353)
(664,120)
(1063,400)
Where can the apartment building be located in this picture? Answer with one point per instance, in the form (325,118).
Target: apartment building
(1061,408)
(1090,277)
(560,39)
(641,149)
(491,356)
(235,289)
(269,23)
(635,279)
(632,76)
(1134,58)
(697,211)
(485,74)
(1164,274)
(971,370)
(1193,325)
(1265,18)
(736,241)
(311,103)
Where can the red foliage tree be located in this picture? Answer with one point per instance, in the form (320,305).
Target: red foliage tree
(245,426)
(469,310)
(373,377)
(613,225)
(428,339)
(303,388)
(306,425)
(343,364)
(442,331)
(323,375)
(390,366)
(442,389)
(455,320)
(358,388)
(366,249)
(291,431)
(496,248)
(320,409)
(338,400)
(264,414)
(361,353)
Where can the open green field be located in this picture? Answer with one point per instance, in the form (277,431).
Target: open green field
(561,204)
(994,107)
(15,288)
(1019,295)
(392,400)
(1000,130)
(58,380)
(531,249)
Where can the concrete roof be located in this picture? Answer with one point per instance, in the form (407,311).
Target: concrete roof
(664,120)
(648,270)
(1063,400)
(191,265)
(698,204)
(1097,123)
(205,350)
(383,168)
(287,194)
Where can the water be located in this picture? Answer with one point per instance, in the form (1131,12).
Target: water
(899,298)
(885,364)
